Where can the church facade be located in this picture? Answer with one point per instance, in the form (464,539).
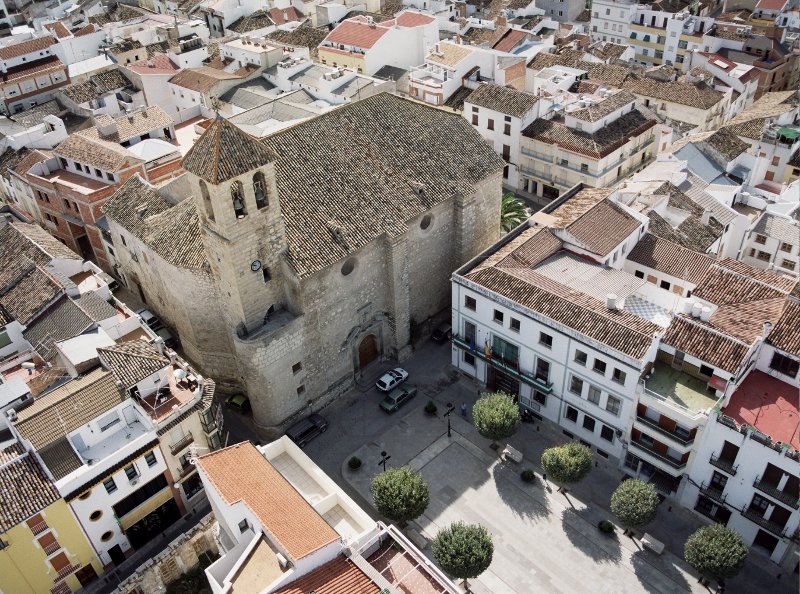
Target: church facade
(302,258)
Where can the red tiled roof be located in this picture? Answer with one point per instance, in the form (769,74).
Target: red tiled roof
(241,473)
(769,405)
(58,28)
(34,68)
(281,16)
(413,19)
(26,47)
(771,4)
(157,64)
(90,28)
(509,41)
(357,33)
(339,576)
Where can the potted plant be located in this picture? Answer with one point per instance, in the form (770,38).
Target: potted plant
(606,527)
(354,463)
(430,408)
(527,475)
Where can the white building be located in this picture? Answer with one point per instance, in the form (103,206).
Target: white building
(285,526)
(500,114)
(774,242)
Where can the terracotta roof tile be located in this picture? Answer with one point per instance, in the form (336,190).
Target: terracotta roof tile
(224,152)
(131,125)
(26,47)
(241,473)
(604,108)
(698,95)
(356,32)
(778,227)
(707,344)
(24,491)
(785,335)
(668,257)
(29,294)
(503,99)
(510,39)
(340,576)
(68,407)
(603,227)
(61,321)
(58,29)
(132,362)
(99,153)
(729,281)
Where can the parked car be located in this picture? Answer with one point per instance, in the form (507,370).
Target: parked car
(307,429)
(391,379)
(443,332)
(167,336)
(151,319)
(398,397)
(238,402)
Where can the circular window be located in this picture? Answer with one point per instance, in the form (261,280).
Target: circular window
(85,495)
(426,221)
(107,536)
(96,515)
(348,266)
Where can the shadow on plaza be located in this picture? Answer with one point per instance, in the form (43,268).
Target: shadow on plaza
(580,526)
(645,563)
(521,497)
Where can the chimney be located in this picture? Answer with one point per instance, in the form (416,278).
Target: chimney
(767,329)
(611,301)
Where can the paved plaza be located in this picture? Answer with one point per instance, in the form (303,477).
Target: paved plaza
(544,541)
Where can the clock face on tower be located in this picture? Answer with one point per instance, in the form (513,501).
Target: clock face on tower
(255,265)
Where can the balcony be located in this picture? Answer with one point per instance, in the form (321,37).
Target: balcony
(51,548)
(754,516)
(67,571)
(713,493)
(677,465)
(507,365)
(724,465)
(185,471)
(684,441)
(775,493)
(181,443)
(39,527)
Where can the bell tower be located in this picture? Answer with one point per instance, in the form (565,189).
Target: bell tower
(233,182)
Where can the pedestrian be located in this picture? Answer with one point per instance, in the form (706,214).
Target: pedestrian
(464,409)
(544,477)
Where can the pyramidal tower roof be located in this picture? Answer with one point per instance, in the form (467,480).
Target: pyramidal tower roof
(224,152)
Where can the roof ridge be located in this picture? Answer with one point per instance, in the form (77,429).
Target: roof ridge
(713,329)
(723,268)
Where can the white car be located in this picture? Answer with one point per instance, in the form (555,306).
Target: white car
(391,379)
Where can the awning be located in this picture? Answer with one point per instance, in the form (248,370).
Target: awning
(146,508)
(718,383)
(790,133)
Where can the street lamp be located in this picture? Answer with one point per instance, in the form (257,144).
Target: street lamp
(450,408)
(384,458)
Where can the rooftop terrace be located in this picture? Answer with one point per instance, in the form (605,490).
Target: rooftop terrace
(679,389)
(769,405)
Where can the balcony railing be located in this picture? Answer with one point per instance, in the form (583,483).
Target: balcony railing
(508,365)
(181,443)
(666,459)
(665,432)
(39,527)
(186,470)
(754,516)
(713,493)
(51,548)
(67,571)
(774,492)
(724,465)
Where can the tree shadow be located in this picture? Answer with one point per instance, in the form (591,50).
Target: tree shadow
(651,569)
(519,496)
(581,529)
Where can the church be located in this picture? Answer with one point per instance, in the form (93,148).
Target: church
(301,258)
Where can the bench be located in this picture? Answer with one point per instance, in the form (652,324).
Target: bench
(653,544)
(512,453)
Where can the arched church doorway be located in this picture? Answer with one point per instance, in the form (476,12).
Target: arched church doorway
(367,351)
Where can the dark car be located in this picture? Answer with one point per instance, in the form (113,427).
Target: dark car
(398,397)
(238,402)
(307,429)
(443,332)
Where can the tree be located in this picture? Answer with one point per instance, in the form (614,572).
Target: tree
(512,212)
(463,550)
(568,463)
(496,416)
(716,552)
(634,503)
(400,494)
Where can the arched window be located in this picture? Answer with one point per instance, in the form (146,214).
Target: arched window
(237,197)
(260,190)
(206,200)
